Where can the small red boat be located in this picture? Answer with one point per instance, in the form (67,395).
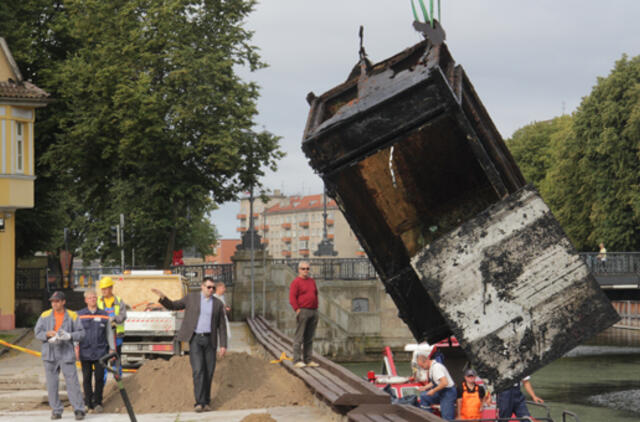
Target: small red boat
(447,351)
(406,386)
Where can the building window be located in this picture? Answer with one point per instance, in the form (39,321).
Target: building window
(304,244)
(360,304)
(19,147)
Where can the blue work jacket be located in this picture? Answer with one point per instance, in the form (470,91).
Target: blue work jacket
(98,335)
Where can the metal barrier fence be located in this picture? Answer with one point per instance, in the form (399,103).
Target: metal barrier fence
(89,276)
(30,278)
(334,269)
(615,262)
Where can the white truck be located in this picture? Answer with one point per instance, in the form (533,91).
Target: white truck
(149,330)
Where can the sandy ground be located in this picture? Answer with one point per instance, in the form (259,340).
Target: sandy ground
(241,381)
(246,388)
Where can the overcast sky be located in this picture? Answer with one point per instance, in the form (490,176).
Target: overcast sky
(528,61)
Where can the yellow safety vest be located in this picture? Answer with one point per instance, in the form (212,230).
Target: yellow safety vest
(116,310)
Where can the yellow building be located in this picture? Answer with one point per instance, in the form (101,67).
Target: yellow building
(18,101)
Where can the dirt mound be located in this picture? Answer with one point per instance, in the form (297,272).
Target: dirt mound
(258,417)
(241,381)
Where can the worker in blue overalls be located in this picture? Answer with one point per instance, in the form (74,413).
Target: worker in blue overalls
(115,308)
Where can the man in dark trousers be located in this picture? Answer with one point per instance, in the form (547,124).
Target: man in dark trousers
(303,297)
(512,402)
(203,324)
(99,339)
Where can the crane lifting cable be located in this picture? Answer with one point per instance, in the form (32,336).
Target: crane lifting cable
(429,16)
(431,28)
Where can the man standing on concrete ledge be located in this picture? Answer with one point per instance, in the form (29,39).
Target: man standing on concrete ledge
(303,297)
(203,324)
(58,328)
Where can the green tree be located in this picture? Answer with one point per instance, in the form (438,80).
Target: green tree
(36,46)
(159,124)
(607,124)
(531,147)
(587,166)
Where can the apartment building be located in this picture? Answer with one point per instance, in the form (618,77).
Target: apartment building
(292,226)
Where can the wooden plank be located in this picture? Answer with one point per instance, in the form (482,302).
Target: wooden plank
(330,366)
(390,412)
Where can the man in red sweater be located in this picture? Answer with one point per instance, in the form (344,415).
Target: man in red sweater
(303,297)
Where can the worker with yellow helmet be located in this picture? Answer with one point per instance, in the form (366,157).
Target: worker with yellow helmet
(114,306)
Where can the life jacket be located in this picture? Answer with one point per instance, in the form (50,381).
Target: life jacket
(115,310)
(471,403)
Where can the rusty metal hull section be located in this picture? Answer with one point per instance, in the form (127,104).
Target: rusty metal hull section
(512,288)
(414,162)
(409,153)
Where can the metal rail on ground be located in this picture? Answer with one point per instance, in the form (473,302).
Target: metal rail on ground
(343,390)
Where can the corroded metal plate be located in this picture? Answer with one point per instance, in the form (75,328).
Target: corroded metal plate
(512,288)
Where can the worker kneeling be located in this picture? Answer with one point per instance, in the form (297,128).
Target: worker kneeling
(440,389)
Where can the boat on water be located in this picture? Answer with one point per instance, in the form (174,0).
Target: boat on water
(406,388)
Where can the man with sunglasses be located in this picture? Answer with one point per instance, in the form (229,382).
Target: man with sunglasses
(203,324)
(303,297)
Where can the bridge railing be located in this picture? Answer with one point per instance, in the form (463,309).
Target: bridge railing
(334,268)
(196,273)
(615,262)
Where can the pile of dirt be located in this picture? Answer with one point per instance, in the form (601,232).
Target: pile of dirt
(258,417)
(241,381)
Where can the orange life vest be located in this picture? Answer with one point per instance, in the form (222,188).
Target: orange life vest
(471,403)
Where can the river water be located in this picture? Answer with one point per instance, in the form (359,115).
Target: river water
(598,381)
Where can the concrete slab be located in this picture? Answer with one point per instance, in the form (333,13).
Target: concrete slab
(280,414)
(241,338)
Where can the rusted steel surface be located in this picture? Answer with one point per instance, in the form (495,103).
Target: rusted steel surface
(410,155)
(391,413)
(408,152)
(512,288)
(335,384)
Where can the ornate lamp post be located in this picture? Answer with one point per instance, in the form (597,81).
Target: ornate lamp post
(325,247)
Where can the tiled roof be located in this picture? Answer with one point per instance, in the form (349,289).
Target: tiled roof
(21,90)
(302,203)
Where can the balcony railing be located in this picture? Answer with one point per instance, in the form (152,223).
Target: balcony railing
(241,229)
(286,226)
(241,216)
(286,239)
(304,224)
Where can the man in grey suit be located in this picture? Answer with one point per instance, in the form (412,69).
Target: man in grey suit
(203,324)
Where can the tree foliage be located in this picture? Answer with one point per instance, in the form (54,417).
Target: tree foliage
(37,47)
(587,166)
(157,124)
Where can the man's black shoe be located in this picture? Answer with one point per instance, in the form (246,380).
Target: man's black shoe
(79,415)
(56,416)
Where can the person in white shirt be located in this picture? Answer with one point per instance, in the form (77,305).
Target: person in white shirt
(440,389)
(220,289)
